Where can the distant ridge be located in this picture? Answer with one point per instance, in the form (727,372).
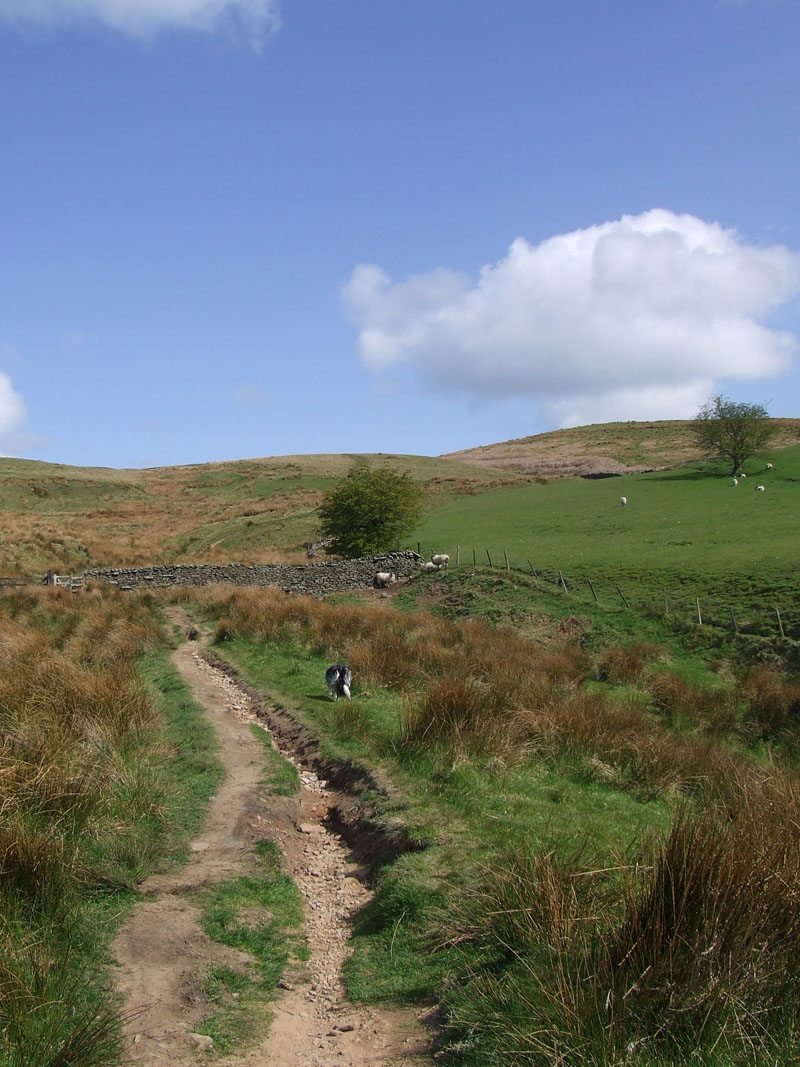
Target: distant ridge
(610,448)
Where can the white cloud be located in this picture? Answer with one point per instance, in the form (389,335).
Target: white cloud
(145,17)
(12,408)
(635,318)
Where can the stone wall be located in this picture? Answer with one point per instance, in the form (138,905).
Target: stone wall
(312,579)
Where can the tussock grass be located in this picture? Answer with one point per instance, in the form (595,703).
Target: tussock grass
(82,811)
(688,949)
(684,947)
(472,687)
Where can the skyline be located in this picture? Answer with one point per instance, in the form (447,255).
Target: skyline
(232,230)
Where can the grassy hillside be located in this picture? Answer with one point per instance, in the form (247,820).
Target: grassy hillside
(614,447)
(685,524)
(260,510)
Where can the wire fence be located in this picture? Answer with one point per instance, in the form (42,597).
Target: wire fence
(737,614)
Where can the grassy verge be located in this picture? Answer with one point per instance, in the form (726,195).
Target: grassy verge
(90,806)
(613,857)
(260,916)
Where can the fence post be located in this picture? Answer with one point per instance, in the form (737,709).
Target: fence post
(780,621)
(666,603)
(624,599)
(563,583)
(458,554)
(594,594)
(474,564)
(490,558)
(733,620)
(506,558)
(533,572)
(699,613)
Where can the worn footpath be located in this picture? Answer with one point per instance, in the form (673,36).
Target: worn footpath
(163,955)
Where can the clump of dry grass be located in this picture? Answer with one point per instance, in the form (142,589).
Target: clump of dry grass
(773,701)
(73,718)
(690,945)
(620,664)
(485,690)
(694,707)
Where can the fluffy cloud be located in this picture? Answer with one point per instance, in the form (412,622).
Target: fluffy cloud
(635,318)
(143,17)
(12,408)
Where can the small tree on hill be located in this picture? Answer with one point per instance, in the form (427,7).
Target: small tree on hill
(731,431)
(370,511)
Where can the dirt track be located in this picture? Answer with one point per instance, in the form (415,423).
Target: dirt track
(163,954)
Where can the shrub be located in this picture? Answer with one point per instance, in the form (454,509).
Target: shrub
(370,511)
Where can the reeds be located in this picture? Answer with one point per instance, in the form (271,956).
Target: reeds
(74,720)
(491,691)
(686,951)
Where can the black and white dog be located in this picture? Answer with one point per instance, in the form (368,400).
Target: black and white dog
(338,679)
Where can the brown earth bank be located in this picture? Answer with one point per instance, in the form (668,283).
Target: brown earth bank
(162,954)
(613,448)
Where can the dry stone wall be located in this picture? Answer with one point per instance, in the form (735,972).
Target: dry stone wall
(312,579)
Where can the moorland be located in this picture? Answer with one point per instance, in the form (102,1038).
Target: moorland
(586,729)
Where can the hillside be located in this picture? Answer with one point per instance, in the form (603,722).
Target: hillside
(253,511)
(263,510)
(614,448)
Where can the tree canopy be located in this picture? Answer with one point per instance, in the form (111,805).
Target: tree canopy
(370,511)
(731,431)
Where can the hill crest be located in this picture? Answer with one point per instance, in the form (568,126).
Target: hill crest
(610,447)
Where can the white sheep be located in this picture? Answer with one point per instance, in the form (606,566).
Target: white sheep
(441,559)
(338,678)
(760,488)
(430,566)
(769,467)
(735,481)
(383,579)
(623,500)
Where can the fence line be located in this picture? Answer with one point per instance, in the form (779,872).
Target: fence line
(710,610)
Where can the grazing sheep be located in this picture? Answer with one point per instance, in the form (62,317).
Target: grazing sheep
(623,500)
(383,579)
(338,678)
(430,566)
(742,475)
(735,481)
(440,560)
(760,488)
(769,467)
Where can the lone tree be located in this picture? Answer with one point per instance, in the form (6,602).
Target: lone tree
(369,511)
(731,431)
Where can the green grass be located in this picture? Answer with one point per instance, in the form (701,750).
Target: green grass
(281,777)
(545,884)
(260,916)
(468,811)
(190,767)
(69,877)
(685,533)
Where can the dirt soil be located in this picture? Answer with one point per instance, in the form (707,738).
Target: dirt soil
(162,954)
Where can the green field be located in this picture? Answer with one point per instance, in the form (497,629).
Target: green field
(687,532)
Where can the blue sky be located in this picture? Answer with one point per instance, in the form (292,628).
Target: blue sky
(232,229)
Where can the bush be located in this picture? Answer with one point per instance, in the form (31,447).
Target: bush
(370,511)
